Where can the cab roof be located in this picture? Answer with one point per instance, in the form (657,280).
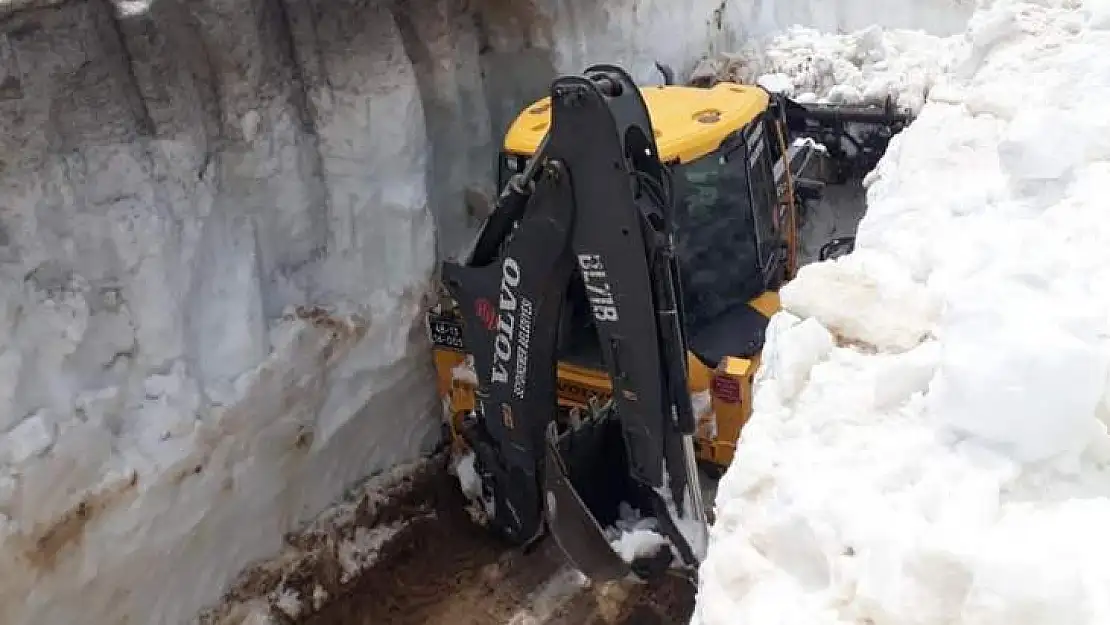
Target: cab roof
(689,122)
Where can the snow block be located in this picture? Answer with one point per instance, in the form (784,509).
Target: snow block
(1014,374)
(865,298)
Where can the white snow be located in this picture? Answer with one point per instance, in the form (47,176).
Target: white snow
(638,542)
(633,535)
(865,298)
(702,403)
(550,598)
(464,372)
(357,554)
(467,473)
(929,444)
(867,65)
(480,506)
(636,33)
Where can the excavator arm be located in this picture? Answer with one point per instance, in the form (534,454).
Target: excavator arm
(568,215)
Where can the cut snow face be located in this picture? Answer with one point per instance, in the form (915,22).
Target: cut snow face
(929,443)
(869,65)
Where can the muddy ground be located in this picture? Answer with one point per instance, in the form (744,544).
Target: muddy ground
(451,572)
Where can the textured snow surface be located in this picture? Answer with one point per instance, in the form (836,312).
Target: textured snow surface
(867,65)
(929,444)
(638,32)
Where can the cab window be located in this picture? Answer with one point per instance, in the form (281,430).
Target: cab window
(764,195)
(717,252)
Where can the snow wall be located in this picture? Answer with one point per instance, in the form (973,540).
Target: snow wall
(929,444)
(218,224)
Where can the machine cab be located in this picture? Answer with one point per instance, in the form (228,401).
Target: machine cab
(720,145)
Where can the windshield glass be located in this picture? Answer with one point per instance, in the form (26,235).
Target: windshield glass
(715,237)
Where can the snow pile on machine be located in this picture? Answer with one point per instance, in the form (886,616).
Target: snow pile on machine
(929,444)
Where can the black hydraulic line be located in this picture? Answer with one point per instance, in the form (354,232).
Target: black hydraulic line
(508,210)
(837,113)
(673,341)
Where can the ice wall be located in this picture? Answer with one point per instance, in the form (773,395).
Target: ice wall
(679,33)
(211,266)
(218,224)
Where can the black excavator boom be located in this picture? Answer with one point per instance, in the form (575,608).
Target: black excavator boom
(855,135)
(598,211)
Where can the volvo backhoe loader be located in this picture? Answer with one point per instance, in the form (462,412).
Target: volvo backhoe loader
(601,337)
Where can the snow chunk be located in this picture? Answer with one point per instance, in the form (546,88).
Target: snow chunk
(26,440)
(467,472)
(634,536)
(865,297)
(776,83)
(794,347)
(1026,155)
(1026,574)
(464,372)
(359,552)
(702,403)
(999,361)
(637,543)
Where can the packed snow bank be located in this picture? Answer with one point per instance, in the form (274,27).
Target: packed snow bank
(929,444)
(638,33)
(867,65)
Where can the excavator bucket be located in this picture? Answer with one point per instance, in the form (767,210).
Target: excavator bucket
(574,526)
(568,225)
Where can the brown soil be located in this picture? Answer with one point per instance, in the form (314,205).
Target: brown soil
(452,572)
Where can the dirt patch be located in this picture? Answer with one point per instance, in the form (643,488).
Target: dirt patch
(405,552)
(67,531)
(455,573)
(323,562)
(451,573)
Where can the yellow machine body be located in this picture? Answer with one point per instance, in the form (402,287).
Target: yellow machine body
(689,122)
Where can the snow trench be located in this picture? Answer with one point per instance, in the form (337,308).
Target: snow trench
(219,223)
(929,444)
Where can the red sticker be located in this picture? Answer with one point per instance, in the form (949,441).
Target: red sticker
(726,389)
(484,309)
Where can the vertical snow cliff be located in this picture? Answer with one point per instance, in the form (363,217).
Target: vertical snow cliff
(218,224)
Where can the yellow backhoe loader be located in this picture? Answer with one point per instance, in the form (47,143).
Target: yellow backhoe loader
(600,339)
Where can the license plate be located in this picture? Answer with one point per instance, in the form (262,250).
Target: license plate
(444,333)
